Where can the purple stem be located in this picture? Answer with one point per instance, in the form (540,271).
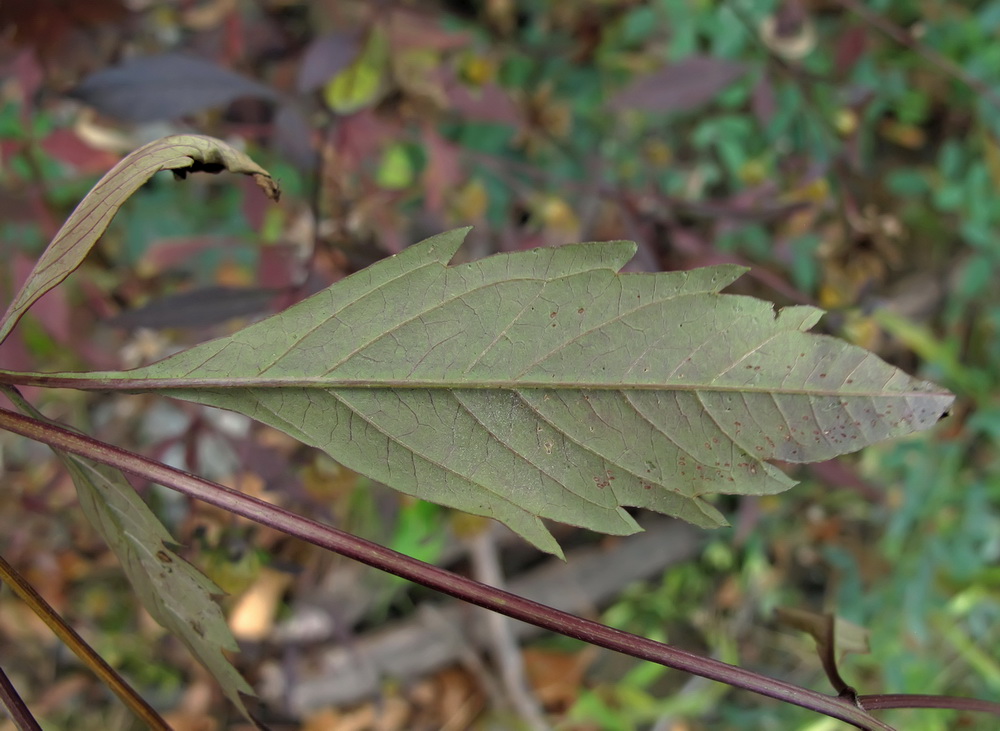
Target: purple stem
(444,581)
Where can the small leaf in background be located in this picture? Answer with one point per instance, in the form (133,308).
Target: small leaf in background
(443,171)
(293,136)
(908,136)
(201,307)
(52,310)
(488,102)
(174,592)
(409,28)
(470,202)
(545,384)
(67,147)
(790,32)
(326,57)
(850,48)
(175,253)
(762,100)
(166,86)
(362,83)
(991,157)
(395,169)
(475,69)
(680,86)
(556,218)
(413,75)
(91,218)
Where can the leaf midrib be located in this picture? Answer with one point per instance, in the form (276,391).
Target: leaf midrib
(111,381)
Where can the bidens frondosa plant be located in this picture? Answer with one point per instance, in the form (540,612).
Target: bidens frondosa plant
(543,384)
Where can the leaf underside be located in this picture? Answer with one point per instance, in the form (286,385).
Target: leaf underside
(174,592)
(546,384)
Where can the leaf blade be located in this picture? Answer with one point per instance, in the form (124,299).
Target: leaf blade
(547,385)
(88,222)
(175,593)
(680,86)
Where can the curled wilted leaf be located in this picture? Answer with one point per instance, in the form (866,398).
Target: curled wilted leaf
(91,218)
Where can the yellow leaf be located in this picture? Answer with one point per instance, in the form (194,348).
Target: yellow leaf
(361,84)
(470,202)
(413,71)
(816,190)
(862,330)
(754,171)
(557,215)
(395,170)
(845,121)
(658,153)
(905,135)
(477,70)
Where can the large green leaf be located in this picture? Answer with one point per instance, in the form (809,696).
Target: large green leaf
(546,384)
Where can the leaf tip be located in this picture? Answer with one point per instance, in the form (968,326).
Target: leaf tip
(269,185)
(443,246)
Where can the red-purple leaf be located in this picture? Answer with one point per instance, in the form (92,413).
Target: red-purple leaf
(681,86)
(850,48)
(67,147)
(177,252)
(52,310)
(488,103)
(419,29)
(762,100)
(443,170)
(166,86)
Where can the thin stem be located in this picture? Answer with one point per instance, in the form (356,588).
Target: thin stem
(15,706)
(436,578)
(907,700)
(88,656)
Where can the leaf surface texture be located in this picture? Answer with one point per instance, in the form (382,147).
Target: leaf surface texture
(547,385)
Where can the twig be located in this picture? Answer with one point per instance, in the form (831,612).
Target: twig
(433,577)
(505,650)
(15,706)
(26,592)
(446,634)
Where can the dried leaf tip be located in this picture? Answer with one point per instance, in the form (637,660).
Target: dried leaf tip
(269,185)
